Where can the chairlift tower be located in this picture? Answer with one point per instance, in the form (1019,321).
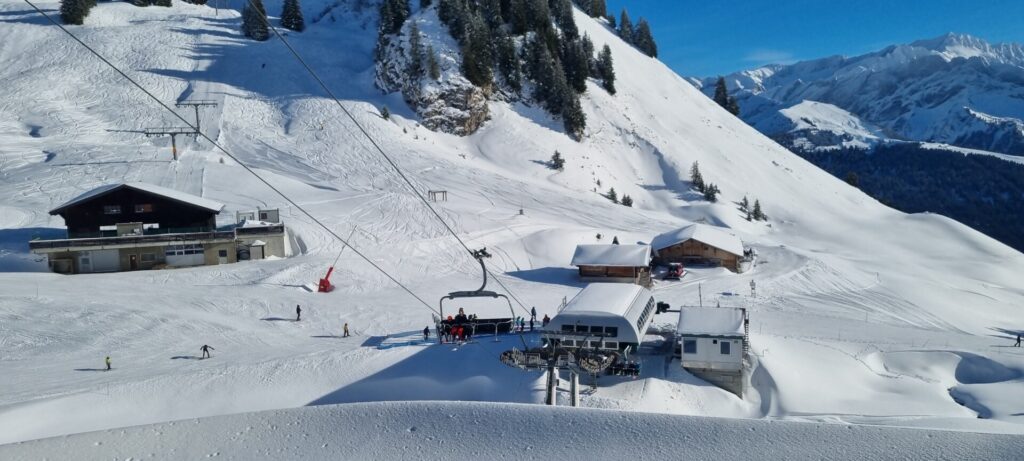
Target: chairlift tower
(172,132)
(195,105)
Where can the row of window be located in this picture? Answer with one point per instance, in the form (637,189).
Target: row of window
(139,208)
(594,330)
(642,321)
(181,250)
(592,344)
(690,346)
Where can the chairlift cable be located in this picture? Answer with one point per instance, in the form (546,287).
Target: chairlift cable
(232,156)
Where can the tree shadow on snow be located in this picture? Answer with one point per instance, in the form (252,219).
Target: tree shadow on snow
(471,372)
(29,17)
(185,357)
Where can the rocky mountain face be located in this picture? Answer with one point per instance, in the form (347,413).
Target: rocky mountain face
(953,89)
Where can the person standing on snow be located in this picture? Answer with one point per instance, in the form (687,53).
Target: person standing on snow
(533,313)
(206,351)
(1018,341)
(426,333)
(107,361)
(298,313)
(344,333)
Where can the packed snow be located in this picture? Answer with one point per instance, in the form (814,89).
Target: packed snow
(863,316)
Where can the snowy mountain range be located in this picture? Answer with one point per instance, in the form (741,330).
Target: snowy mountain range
(866,320)
(954,89)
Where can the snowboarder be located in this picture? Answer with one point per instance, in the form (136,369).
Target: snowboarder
(426,333)
(545,320)
(298,313)
(107,361)
(344,333)
(1018,341)
(615,240)
(206,351)
(533,313)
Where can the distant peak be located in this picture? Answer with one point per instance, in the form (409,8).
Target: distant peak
(954,43)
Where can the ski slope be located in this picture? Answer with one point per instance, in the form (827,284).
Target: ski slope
(863,315)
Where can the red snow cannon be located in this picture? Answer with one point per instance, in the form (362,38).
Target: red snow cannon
(325,283)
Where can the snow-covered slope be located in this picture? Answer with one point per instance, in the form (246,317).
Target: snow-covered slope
(847,288)
(953,89)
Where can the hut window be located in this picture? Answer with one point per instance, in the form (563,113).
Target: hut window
(689,346)
(611,331)
(597,330)
(726,349)
(144,208)
(582,329)
(111,209)
(568,328)
(611,345)
(148,257)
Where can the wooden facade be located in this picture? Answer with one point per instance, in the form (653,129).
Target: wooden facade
(691,251)
(127,205)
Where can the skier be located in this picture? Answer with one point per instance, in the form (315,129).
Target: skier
(1018,341)
(598,237)
(531,324)
(344,333)
(545,320)
(426,333)
(615,240)
(533,313)
(107,360)
(206,351)
(298,313)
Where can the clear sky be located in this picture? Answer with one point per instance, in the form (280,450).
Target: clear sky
(711,37)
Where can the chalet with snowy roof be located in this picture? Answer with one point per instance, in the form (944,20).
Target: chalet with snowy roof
(712,343)
(133,226)
(614,263)
(700,244)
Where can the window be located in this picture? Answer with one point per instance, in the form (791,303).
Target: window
(181,250)
(263,216)
(595,344)
(689,346)
(597,330)
(111,209)
(582,329)
(611,345)
(148,257)
(568,343)
(726,347)
(611,331)
(222,253)
(144,208)
(568,328)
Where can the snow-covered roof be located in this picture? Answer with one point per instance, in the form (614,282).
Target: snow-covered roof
(612,255)
(171,194)
(604,299)
(710,321)
(718,237)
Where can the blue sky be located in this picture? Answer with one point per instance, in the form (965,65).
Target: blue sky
(711,37)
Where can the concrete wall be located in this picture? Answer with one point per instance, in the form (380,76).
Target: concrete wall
(126,254)
(709,356)
(275,244)
(211,256)
(732,381)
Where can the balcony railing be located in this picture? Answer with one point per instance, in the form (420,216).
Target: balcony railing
(131,240)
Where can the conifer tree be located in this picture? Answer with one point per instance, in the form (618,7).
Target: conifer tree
(626,27)
(733,106)
(627,200)
(477,60)
(612,195)
(557,162)
(573,117)
(598,9)
(696,178)
(711,192)
(744,204)
(517,17)
(852,179)
(611,21)
(758,214)
(644,39)
(576,65)
(254,21)
(606,69)
(508,61)
(721,93)
(433,67)
(415,68)
(291,16)
(74,11)
(385,113)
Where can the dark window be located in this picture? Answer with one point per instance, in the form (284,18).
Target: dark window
(148,257)
(112,209)
(611,331)
(597,330)
(582,329)
(222,253)
(689,346)
(568,328)
(726,349)
(263,216)
(144,208)
(611,345)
